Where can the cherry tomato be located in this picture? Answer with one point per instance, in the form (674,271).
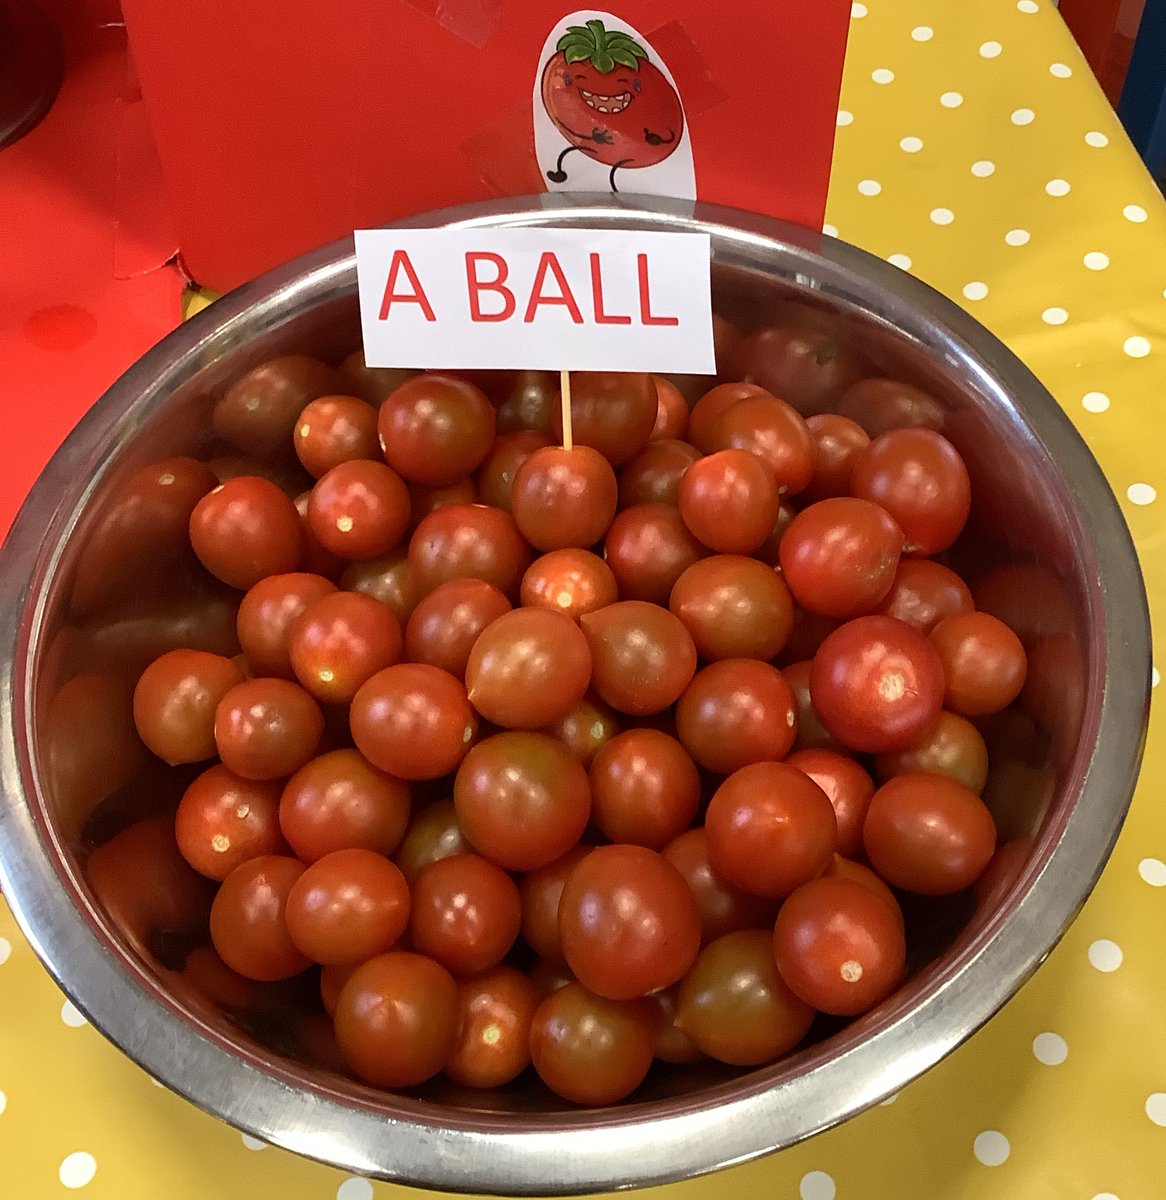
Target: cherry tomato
(926,833)
(434,833)
(729,501)
(837,443)
(469,541)
(673,1045)
(247,919)
(839,946)
(267,728)
(347,907)
(773,431)
(522,799)
(444,626)
(359,509)
(526,403)
(644,788)
(848,787)
(572,582)
(397,1018)
(736,1007)
(648,547)
(258,413)
(266,616)
(839,556)
(548,976)
(984,663)
(540,891)
(423,500)
(466,913)
(707,412)
(563,498)
(671,411)
(612,413)
(808,368)
(175,701)
(722,906)
(246,529)
(495,1014)
(332,981)
(923,593)
(435,429)
(876,684)
(770,550)
(528,668)
(918,476)
(509,452)
(735,712)
(880,405)
(952,747)
(591,1050)
(845,868)
(770,829)
(372,383)
(413,720)
(734,607)
(811,733)
(341,640)
(335,429)
(389,578)
(806,637)
(642,656)
(653,476)
(588,725)
(340,801)
(223,820)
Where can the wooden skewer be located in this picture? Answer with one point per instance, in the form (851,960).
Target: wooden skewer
(565,395)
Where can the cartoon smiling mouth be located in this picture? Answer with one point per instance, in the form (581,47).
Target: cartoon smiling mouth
(606,104)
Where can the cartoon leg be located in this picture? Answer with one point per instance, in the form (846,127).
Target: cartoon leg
(558,175)
(611,174)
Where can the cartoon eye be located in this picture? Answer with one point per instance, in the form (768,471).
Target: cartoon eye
(568,80)
(636,84)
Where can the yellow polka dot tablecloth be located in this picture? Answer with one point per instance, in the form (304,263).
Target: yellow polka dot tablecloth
(976,151)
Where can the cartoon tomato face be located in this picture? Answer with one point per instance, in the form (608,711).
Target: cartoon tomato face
(609,101)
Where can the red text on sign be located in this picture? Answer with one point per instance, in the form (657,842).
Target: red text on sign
(399,264)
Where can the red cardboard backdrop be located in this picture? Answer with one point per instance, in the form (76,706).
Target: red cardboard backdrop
(282,124)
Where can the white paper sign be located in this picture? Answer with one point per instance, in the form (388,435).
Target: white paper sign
(536,299)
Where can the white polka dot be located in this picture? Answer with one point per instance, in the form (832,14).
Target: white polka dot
(1141,493)
(1023,116)
(1105,955)
(1096,261)
(889,1100)
(1057,187)
(1095,402)
(3,1102)
(1153,871)
(5,949)
(71,1016)
(858,10)
(77,1169)
(1156,1108)
(983,168)
(911,144)
(1137,346)
(354,1188)
(899,260)
(1060,70)
(990,50)
(991,1148)
(1135,213)
(869,187)
(951,99)
(817,1185)
(975,290)
(882,75)
(1106,1196)
(1050,1049)
(1155,677)
(1028,6)
(922,33)
(1018,237)
(830,230)
(1096,138)
(253,1143)
(1054,316)
(844,117)
(942,216)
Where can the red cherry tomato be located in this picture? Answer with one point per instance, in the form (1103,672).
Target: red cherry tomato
(729,501)
(390,578)
(495,1014)
(811,733)
(433,833)
(707,412)
(223,820)
(653,476)
(341,640)
(807,368)
(175,701)
(246,529)
(773,431)
(880,405)
(247,919)
(359,509)
(267,728)
(540,891)
(510,451)
(444,626)
(266,616)
(469,541)
(648,547)
(612,413)
(953,746)
(423,499)
(335,429)
(564,498)
(984,663)
(572,582)
(837,443)
(588,725)
(671,412)
(848,787)
(923,593)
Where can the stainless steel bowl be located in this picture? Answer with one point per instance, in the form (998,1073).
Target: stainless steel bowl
(1048,544)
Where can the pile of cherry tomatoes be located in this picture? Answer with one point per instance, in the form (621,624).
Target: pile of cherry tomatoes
(583,758)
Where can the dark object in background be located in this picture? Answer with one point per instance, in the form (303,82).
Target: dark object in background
(31,67)
(1142,108)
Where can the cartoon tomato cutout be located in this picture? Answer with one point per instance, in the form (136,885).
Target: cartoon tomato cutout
(609,101)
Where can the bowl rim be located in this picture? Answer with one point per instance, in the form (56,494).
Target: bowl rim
(634,1144)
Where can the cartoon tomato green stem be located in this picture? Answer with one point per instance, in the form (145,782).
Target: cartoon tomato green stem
(609,101)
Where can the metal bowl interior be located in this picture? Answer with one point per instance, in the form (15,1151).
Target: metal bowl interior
(83,609)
